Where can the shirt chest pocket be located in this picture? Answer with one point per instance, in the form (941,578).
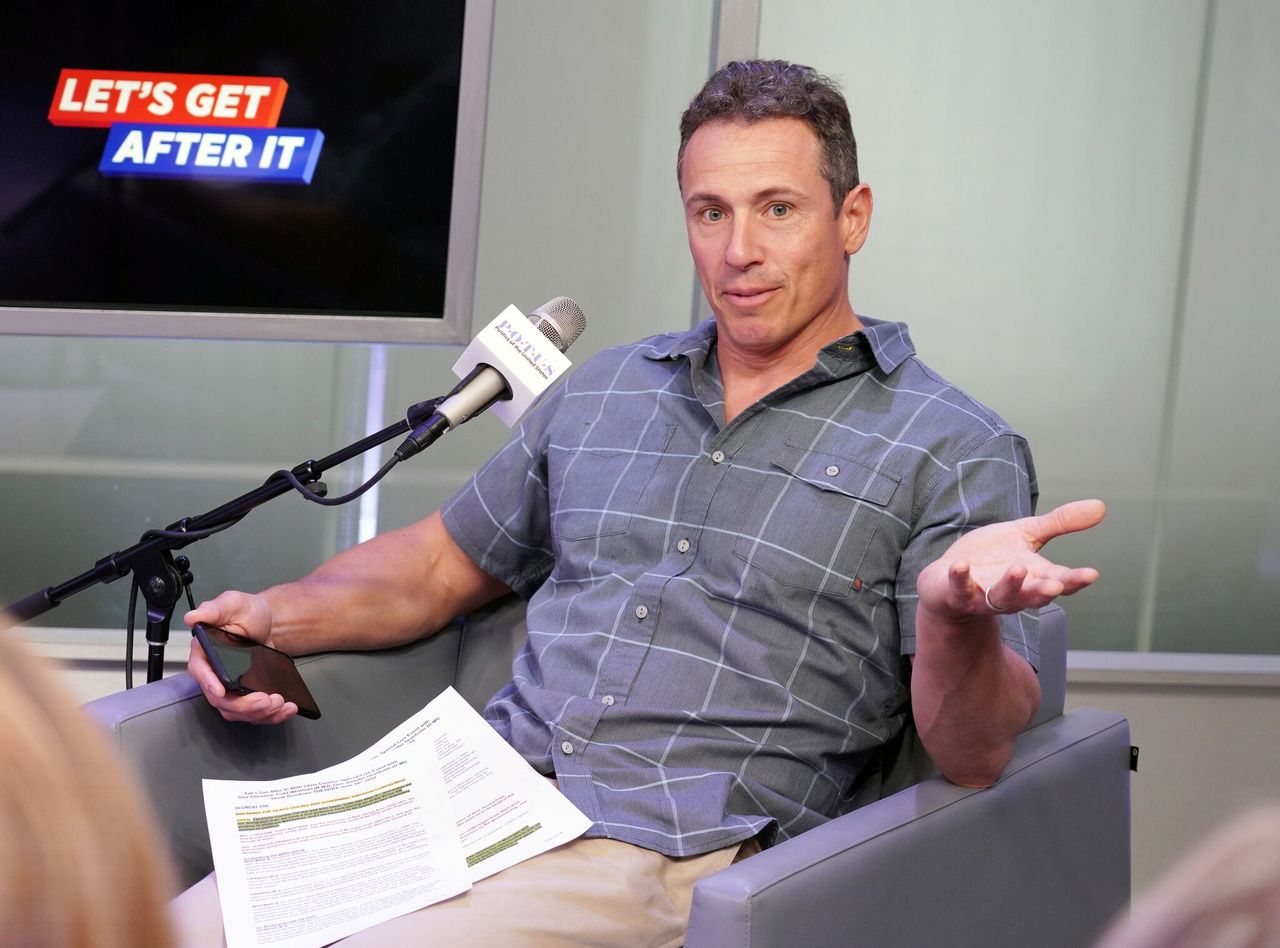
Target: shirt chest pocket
(599,476)
(813,519)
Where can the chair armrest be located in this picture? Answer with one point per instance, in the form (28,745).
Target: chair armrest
(1040,858)
(172,738)
(1053,664)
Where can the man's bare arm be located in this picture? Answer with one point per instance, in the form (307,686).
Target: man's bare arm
(970,694)
(400,586)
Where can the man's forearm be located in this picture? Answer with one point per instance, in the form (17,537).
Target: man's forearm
(971,696)
(399,586)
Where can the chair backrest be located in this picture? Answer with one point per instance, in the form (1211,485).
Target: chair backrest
(1053,664)
(490,638)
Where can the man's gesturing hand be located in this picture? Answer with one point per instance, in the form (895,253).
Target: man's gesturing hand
(249,616)
(999,569)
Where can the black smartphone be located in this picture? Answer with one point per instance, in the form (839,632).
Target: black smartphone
(244,666)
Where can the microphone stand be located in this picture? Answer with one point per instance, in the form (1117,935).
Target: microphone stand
(161,577)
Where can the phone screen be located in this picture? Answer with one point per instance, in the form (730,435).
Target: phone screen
(244,666)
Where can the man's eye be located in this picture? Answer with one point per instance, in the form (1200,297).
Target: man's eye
(713,214)
(778,210)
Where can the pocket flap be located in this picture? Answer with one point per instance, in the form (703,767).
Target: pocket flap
(834,472)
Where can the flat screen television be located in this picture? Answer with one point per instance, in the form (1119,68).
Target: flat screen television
(279,169)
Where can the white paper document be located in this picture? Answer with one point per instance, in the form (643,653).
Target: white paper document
(440,802)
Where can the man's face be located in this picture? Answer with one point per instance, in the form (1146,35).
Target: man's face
(770,250)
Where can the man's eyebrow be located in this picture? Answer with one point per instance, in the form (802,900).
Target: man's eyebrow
(768,194)
(703,197)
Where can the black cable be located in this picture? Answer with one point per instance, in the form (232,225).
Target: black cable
(190,534)
(128,638)
(306,491)
(297,485)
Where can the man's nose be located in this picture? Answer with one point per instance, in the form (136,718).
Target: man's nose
(744,248)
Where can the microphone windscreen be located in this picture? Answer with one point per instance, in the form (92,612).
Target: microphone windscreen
(560,320)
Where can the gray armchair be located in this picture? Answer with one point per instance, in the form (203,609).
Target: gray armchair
(1041,858)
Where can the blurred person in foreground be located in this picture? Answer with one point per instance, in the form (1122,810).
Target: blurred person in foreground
(79,866)
(1225,894)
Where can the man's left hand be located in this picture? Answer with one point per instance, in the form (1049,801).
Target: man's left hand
(999,569)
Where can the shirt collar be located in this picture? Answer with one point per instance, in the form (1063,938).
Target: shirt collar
(694,344)
(889,342)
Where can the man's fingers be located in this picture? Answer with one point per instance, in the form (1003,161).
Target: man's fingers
(1006,593)
(198,668)
(1074,580)
(288,710)
(958,575)
(274,711)
(238,611)
(1003,595)
(1008,588)
(1018,587)
(1042,590)
(213,611)
(1069,518)
(256,708)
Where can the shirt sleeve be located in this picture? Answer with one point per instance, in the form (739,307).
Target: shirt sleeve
(501,517)
(992,483)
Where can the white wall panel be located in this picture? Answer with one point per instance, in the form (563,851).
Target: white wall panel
(1029,163)
(1219,566)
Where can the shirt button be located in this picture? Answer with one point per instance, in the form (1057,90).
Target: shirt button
(717,456)
(683,546)
(567,747)
(607,700)
(641,611)
(832,470)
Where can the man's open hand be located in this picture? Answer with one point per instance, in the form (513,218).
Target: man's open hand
(999,569)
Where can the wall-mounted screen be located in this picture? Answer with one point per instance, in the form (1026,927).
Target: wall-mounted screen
(281,169)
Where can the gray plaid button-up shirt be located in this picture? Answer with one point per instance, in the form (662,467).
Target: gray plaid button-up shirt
(718,613)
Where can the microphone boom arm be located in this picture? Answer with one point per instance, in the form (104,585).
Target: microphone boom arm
(159,578)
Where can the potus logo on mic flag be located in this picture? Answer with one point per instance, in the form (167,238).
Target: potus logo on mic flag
(185,125)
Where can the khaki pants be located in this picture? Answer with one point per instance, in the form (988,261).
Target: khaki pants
(587,892)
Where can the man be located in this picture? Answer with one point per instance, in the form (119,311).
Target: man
(729,538)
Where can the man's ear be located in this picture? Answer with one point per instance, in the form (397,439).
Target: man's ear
(855,218)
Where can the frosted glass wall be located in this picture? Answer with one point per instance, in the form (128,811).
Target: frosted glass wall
(1075,215)
(1218,551)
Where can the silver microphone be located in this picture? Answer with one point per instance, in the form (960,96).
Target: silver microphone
(560,320)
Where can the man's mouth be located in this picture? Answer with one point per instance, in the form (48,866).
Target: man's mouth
(748,295)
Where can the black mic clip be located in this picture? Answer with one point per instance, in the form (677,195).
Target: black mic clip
(426,433)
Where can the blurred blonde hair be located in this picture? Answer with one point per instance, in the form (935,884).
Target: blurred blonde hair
(79,867)
(1226,894)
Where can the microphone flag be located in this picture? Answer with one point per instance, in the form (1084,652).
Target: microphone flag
(528,360)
